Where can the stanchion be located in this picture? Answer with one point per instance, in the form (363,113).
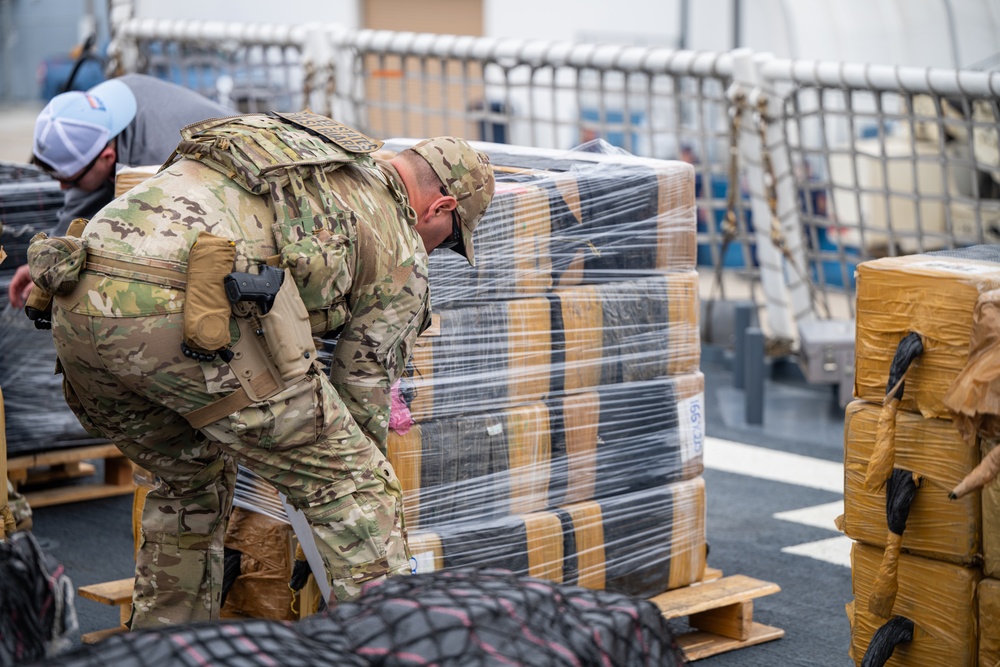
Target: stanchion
(743,319)
(753,369)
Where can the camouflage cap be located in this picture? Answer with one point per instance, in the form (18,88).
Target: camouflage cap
(467,176)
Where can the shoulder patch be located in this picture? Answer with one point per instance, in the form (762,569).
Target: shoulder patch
(347,138)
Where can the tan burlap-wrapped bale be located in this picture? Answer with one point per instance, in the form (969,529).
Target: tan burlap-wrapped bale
(933,295)
(475,466)
(127,178)
(989,622)
(940,599)
(937,527)
(991,525)
(267,546)
(604,544)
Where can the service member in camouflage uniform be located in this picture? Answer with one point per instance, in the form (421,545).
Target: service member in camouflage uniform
(354,233)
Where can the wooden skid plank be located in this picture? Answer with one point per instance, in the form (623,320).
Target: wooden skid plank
(111,593)
(94,637)
(712,595)
(118,471)
(59,473)
(43,468)
(711,574)
(698,645)
(26,461)
(72,494)
(734,620)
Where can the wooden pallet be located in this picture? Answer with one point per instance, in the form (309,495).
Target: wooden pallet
(31,470)
(112,593)
(720,609)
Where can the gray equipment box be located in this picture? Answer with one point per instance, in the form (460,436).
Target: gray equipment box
(826,355)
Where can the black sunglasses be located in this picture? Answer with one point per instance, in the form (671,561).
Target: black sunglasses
(456,228)
(71,182)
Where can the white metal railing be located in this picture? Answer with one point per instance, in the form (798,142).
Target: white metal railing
(885,160)
(836,163)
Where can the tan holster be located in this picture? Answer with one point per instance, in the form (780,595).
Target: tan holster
(274,351)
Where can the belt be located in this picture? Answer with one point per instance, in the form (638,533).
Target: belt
(154,271)
(216,410)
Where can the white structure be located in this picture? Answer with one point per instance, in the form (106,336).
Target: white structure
(919,33)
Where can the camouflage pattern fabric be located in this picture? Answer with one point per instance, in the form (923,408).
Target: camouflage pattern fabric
(19,508)
(467,176)
(320,442)
(314,211)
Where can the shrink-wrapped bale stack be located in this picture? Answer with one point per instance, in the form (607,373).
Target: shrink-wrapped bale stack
(555,402)
(29,201)
(549,422)
(925,536)
(37,416)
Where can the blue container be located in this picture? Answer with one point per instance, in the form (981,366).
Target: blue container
(832,270)
(615,119)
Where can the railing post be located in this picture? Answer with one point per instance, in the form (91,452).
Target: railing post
(316,65)
(789,212)
(123,56)
(780,321)
(342,86)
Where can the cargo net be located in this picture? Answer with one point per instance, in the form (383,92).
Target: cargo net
(37,616)
(462,617)
(888,173)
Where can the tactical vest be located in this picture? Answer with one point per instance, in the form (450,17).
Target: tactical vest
(289,157)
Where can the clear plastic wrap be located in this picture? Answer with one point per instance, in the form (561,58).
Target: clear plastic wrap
(29,200)
(38,418)
(607,441)
(640,543)
(937,527)
(556,399)
(568,218)
(940,599)
(550,419)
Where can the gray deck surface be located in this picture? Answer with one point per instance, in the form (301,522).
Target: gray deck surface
(93,539)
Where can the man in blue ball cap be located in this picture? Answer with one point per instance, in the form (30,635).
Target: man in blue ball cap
(81,138)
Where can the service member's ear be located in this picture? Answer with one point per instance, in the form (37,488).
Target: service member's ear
(445,205)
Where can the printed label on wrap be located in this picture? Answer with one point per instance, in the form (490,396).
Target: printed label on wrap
(691,419)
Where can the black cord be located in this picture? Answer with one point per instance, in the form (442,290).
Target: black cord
(85,55)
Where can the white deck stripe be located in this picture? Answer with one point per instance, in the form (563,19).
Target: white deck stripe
(773,465)
(836,550)
(817,516)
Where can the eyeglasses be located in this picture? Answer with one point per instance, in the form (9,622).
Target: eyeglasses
(456,229)
(70,182)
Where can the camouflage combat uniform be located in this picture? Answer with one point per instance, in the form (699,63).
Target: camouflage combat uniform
(360,266)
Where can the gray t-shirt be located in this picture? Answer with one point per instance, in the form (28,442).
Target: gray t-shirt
(162,109)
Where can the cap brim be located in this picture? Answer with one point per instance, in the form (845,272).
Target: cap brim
(466,250)
(116,95)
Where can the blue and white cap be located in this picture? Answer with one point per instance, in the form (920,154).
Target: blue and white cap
(75,126)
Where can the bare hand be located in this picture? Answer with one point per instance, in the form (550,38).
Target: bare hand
(20,286)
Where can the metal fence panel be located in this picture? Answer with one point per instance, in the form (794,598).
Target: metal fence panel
(835,163)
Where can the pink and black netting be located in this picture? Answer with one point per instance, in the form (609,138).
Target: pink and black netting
(463,617)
